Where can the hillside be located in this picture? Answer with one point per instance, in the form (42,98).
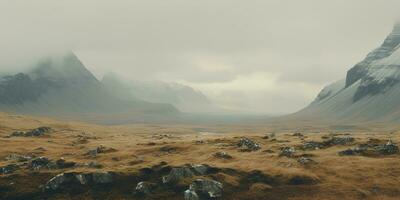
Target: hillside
(62,87)
(370,91)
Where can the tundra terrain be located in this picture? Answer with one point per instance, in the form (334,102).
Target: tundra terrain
(47,159)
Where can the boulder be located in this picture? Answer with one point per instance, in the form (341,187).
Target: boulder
(56,182)
(287,151)
(18,158)
(186,171)
(8,169)
(388,148)
(246,144)
(83,179)
(177,174)
(306,161)
(339,141)
(223,155)
(32,133)
(312,145)
(190,195)
(40,163)
(206,188)
(144,187)
(102,177)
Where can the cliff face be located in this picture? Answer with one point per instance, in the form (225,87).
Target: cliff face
(370,91)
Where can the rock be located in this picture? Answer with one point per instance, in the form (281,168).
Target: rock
(18,158)
(248,145)
(32,133)
(207,188)
(287,151)
(177,174)
(144,187)
(8,169)
(306,161)
(56,182)
(311,145)
(100,149)
(39,131)
(40,162)
(200,169)
(372,149)
(339,141)
(190,195)
(223,155)
(83,179)
(388,148)
(102,177)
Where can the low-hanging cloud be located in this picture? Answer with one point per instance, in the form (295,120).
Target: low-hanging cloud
(292,48)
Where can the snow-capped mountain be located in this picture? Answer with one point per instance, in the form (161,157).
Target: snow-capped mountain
(370,91)
(62,86)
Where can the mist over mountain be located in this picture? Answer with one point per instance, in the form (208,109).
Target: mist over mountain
(369,92)
(62,86)
(183,97)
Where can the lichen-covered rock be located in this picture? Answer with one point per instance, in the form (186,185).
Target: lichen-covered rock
(8,169)
(306,161)
(18,157)
(102,177)
(339,141)
(200,169)
(223,155)
(32,133)
(55,183)
(207,188)
(312,145)
(388,148)
(287,151)
(83,179)
(190,195)
(40,163)
(246,144)
(98,150)
(144,187)
(177,174)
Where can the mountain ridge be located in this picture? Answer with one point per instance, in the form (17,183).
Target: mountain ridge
(369,92)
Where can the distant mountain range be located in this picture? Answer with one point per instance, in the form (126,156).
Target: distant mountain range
(62,86)
(183,97)
(370,91)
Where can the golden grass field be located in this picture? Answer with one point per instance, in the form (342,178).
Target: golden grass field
(261,174)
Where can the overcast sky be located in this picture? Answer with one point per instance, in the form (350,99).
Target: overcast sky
(264,56)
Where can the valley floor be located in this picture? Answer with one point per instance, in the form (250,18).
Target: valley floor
(285,165)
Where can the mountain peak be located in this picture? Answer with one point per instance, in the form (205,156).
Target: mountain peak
(65,67)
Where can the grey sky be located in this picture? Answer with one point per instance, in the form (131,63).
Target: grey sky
(264,56)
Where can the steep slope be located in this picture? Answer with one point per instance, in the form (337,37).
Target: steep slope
(62,86)
(370,92)
(183,97)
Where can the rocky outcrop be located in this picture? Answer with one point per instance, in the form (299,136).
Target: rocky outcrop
(41,131)
(245,144)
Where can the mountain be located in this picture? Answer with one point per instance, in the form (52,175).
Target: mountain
(369,92)
(62,86)
(183,97)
